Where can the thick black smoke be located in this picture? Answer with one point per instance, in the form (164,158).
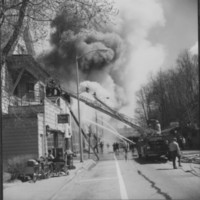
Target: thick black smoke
(70,42)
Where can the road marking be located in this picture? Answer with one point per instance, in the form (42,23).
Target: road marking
(97,179)
(122,187)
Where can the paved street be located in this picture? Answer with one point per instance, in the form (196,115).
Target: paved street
(114,178)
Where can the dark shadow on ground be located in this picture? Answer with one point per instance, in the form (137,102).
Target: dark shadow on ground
(165,169)
(144,161)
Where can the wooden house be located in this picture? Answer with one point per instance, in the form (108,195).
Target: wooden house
(30,118)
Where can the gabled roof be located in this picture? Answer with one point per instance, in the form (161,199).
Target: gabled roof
(17,62)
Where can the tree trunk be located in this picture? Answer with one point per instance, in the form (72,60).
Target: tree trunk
(17,29)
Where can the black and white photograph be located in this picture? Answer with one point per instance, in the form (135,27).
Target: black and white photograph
(99,100)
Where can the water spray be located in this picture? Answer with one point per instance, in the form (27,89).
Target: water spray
(114,132)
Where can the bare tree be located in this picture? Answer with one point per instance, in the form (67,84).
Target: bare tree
(142,99)
(19,16)
(16,15)
(189,85)
(173,94)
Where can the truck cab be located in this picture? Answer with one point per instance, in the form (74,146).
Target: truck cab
(152,147)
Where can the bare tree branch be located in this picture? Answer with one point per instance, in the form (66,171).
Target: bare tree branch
(17,29)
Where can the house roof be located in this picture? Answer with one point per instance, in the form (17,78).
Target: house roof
(17,62)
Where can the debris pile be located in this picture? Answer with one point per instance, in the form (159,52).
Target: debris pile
(195,158)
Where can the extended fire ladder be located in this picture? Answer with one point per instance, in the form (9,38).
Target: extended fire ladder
(102,107)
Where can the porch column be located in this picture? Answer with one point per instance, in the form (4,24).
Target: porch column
(67,143)
(55,137)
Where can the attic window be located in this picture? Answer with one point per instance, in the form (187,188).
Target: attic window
(30,90)
(58,102)
(30,87)
(16,91)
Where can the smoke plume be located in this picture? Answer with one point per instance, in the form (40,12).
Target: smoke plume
(128,51)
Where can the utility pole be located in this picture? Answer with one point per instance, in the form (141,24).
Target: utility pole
(102,124)
(97,133)
(89,142)
(79,117)
(1,132)
(78,97)
(83,133)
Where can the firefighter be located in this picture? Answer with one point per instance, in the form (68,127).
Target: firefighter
(175,152)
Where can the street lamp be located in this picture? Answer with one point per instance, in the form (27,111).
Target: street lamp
(97,133)
(79,116)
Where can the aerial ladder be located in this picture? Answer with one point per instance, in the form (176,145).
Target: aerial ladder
(104,108)
(101,106)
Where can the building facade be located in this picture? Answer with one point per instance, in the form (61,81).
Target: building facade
(31,123)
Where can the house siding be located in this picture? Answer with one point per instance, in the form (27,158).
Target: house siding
(41,135)
(51,115)
(20,136)
(75,137)
(5,102)
(25,109)
(6,84)
(39,92)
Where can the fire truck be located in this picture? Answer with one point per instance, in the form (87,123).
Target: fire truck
(153,145)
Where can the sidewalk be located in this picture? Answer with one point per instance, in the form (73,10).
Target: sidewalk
(45,188)
(192,156)
(190,162)
(192,168)
(191,152)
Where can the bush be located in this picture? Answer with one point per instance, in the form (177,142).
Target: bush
(16,165)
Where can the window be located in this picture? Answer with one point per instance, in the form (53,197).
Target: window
(41,93)
(16,91)
(30,90)
(30,87)
(58,102)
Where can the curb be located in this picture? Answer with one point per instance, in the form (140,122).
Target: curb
(88,166)
(85,166)
(65,182)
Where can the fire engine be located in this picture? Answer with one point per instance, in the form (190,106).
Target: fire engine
(152,147)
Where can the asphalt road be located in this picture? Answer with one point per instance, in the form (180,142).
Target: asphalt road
(115,178)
